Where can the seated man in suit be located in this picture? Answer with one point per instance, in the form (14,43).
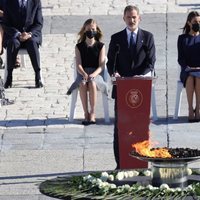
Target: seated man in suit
(131,52)
(23,22)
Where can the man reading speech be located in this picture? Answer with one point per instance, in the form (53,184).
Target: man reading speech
(131,52)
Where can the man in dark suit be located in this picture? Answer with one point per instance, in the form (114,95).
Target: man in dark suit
(23,22)
(131,52)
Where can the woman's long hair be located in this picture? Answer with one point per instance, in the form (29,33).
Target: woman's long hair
(191,15)
(82,35)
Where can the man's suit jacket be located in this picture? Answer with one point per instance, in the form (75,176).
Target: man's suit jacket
(13,22)
(144,58)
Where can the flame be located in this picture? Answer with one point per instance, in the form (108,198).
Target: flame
(144,149)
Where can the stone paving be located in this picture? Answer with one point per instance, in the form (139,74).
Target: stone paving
(36,140)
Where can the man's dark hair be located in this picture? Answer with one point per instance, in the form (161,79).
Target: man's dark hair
(130,8)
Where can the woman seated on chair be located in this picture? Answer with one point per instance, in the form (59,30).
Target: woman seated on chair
(90,62)
(189,60)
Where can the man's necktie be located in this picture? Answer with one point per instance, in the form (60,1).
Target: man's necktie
(23,11)
(132,46)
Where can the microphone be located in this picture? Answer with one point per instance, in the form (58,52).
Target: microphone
(117,50)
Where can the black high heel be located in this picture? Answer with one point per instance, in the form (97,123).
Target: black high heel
(197,119)
(85,122)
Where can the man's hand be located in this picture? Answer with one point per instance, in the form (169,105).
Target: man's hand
(114,76)
(25,36)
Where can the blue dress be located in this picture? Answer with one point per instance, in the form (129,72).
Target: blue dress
(188,55)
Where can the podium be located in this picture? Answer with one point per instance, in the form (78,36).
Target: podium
(133,112)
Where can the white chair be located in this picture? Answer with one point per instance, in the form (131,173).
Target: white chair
(153,96)
(75,93)
(179,89)
(22,53)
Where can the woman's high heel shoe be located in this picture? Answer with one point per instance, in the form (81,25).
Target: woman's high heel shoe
(191,117)
(197,115)
(86,122)
(92,118)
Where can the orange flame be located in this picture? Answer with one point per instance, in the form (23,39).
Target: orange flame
(144,149)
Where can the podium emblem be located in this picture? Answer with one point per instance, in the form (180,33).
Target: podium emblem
(134,98)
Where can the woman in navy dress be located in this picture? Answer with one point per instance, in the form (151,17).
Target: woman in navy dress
(90,62)
(189,60)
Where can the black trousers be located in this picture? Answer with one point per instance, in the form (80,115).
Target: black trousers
(116,138)
(32,47)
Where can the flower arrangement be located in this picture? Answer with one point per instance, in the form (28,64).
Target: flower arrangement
(103,185)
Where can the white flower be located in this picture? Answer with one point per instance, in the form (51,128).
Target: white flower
(119,190)
(125,174)
(171,189)
(101,185)
(150,187)
(130,174)
(147,173)
(135,173)
(94,181)
(98,181)
(178,189)
(113,186)
(140,187)
(120,176)
(164,187)
(126,187)
(189,171)
(189,188)
(80,187)
(105,184)
(87,178)
(104,176)
(111,177)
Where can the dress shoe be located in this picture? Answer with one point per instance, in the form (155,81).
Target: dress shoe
(38,84)
(8,84)
(17,65)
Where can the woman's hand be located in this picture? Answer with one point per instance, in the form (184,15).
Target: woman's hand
(85,77)
(91,76)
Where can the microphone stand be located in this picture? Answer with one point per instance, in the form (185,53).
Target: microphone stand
(113,78)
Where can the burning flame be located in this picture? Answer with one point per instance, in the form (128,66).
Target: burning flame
(144,149)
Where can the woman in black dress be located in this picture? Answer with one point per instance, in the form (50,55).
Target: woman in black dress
(90,62)
(189,60)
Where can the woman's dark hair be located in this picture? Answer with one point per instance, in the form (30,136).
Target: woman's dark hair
(191,15)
